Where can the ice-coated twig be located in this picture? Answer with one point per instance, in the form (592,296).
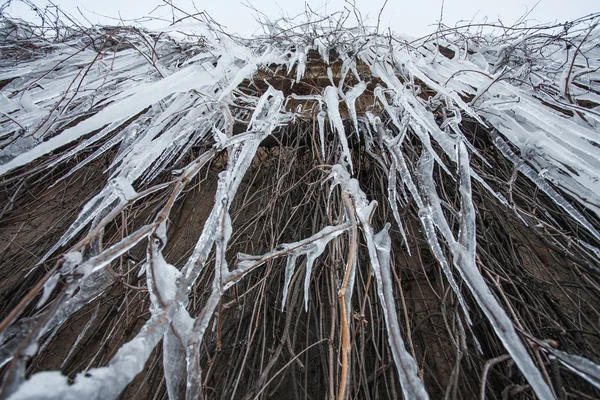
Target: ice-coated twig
(248,263)
(379,249)
(425,215)
(108,381)
(544,186)
(157,97)
(463,253)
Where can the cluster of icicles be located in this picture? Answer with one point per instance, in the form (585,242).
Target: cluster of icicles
(160,107)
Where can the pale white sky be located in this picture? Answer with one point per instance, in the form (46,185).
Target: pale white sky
(414,17)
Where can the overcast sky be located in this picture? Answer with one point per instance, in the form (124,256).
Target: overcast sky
(414,17)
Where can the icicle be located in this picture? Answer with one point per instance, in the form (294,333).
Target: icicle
(330,76)
(426,217)
(391,111)
(350,100)
(393,200)
(464,260)
(81,336)
(115,251)
(379,252)
(315,250)
(185,79)
(330,96)
(321,122)
(88,142)
(544,186)
(312,247)
(289,271)
(301,66)
(379,248)
(48,289)
(174,364)
(581,366)
(410,65)
(265,118)
(87,214)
